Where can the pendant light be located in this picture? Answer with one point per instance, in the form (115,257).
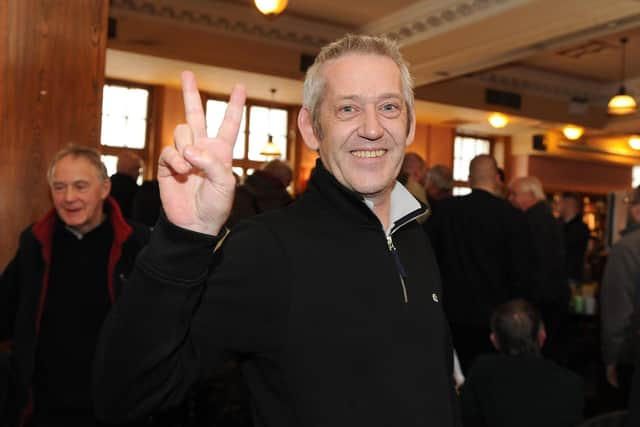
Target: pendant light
(622,103)
(269,149)
(270,7)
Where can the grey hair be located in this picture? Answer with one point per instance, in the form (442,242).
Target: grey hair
(90,154)
(314,81)
(532,185)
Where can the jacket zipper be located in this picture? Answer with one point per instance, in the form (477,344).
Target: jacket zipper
(402,273)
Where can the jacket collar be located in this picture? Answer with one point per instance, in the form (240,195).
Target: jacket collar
(354,207)
(43,229)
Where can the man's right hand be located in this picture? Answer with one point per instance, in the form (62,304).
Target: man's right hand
(196,181)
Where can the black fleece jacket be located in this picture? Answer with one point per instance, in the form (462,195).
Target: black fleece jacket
(311,295)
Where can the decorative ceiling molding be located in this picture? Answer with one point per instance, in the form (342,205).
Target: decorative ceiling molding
(550,85)
(235,20)
(431,17)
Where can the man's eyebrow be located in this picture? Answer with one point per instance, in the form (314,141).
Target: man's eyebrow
(379,97)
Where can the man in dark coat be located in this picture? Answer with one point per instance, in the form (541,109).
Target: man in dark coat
(550,291)
(263,191)
(481,243)
(334,300)
(54,294)
(124,185)
(576,235)
(518,387)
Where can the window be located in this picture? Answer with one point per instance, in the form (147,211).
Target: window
(464,150)
(125,120)
(124,116)
(635,176)
(255,128)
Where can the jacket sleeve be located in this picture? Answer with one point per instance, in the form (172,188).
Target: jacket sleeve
(616,300)
(9,296)
(183,308)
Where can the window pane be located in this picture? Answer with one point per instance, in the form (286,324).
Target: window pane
(137,103)
(258,120)
(136,131)
(461,191)
(110,163)
(464,150)
(278,122)
(112,98)
(214,114)
(112,131)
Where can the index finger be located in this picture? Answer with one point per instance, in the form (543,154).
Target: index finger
(233,115)
(193,105)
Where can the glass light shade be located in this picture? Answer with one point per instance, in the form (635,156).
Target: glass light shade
(270,149)
(572,132)
(270,7)
(622,104)
(498,120)
(634,142)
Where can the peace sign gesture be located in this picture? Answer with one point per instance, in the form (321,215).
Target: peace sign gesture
(196,181)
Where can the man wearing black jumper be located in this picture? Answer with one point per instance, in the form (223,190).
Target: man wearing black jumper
(58,288)
(334,301)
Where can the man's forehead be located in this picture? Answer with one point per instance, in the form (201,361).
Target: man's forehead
(74,165)
(354,69)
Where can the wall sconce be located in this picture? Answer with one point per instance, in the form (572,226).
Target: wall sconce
(572,132)
(498,120)
(270,7)
(634,142)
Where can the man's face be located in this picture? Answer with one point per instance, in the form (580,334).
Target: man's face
(364,121)
(522,200)
(78,193)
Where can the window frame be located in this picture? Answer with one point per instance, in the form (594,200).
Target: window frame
(492,140)
(145,153)
(245,163)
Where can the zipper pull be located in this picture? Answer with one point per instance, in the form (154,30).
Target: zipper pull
(401,271)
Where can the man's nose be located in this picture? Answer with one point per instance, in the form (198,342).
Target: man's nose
(371,128)
(70,194)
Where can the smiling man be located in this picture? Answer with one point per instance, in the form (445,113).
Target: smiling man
(57,290)
(333,301)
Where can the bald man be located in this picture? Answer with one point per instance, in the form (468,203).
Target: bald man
(481,244)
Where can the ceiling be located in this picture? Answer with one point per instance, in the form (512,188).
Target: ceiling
(563,58)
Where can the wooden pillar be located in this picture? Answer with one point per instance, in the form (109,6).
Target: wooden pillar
(52,57)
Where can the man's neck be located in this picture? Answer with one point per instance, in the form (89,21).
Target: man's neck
(381,207)
(485,187)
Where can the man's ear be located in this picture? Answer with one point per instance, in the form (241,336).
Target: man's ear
(305,125)
(106,188)
(412,128)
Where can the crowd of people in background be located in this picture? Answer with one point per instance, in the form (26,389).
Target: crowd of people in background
(499,263)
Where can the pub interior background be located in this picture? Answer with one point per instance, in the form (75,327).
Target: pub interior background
(106,73)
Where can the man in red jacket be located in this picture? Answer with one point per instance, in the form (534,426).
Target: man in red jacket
(57,290)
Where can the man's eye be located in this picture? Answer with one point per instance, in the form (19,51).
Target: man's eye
(390,107)
(347,109)
(58,187)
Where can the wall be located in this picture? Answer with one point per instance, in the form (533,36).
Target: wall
(562,174)
(51,78)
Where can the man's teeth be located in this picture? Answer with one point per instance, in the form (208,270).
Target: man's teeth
(368,153)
